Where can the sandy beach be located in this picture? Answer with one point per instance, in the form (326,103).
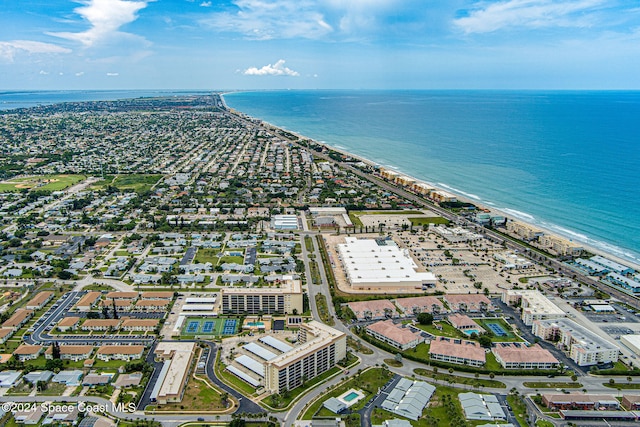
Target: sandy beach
(458,194)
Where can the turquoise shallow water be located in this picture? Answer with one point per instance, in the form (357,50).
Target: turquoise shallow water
(567,161)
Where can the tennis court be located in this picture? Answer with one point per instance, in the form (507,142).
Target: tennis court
(229,327)
(209,326)
(192,327)
(497,330)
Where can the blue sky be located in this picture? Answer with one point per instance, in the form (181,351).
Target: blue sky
(390,44)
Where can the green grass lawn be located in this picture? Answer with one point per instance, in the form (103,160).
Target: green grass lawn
(42,183)
(368,381)
(551,384)
(232,259)
(472,382)
(422,220)
(205,255)
(519,409)
(198,396)
(447,330)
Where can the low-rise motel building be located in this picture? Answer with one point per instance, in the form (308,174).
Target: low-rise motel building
(390,333)
(454,350)
(120,352)
(71,352)
(588,402)
(68,323)
(28,352)
(519,356)
(471,303)
(139,325)
(373,310)
(5,334)
(88,301)
(320,348)
(585,347)
(416,305)
(101,324)
(285,299)
(535,306)
(151,305)
(171,383)
(39,300)
(18,319)
(157,295)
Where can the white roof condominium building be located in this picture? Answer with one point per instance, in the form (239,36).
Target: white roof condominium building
(377,264)
(585,347)
(321,347)
(284,222)
(173,380)
(535,306)
(285,299)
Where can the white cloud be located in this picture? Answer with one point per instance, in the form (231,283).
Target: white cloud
(530,14)
(106,17)
(80,73)
(113,74)
(9,49)
(205,4)
(44,73)
(276,19)
(277,69)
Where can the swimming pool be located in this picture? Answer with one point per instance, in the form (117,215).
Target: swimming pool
(255,324)
(471,331)
(349,397)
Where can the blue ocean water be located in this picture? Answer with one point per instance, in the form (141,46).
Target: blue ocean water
(566,161)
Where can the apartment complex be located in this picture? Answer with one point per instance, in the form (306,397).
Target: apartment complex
(392,334)
(458,351)
(519,356)
(535,306)
(321,347)
(585,347)
(177,357)
(285,299)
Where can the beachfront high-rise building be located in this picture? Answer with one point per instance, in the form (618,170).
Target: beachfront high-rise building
(321,347)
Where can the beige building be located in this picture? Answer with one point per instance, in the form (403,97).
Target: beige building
(285,299)
(139,324)
(584,347)
(390,333)
(120,352)
(534,305)
(27,352)
(88,301)
(321,347)
(19,318)
(39,300)
(560,246)
(71,352)
(177,357)
(523,230)
(453,350)
(519,356)
(68,323)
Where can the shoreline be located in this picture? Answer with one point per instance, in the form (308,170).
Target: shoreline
(464,198)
